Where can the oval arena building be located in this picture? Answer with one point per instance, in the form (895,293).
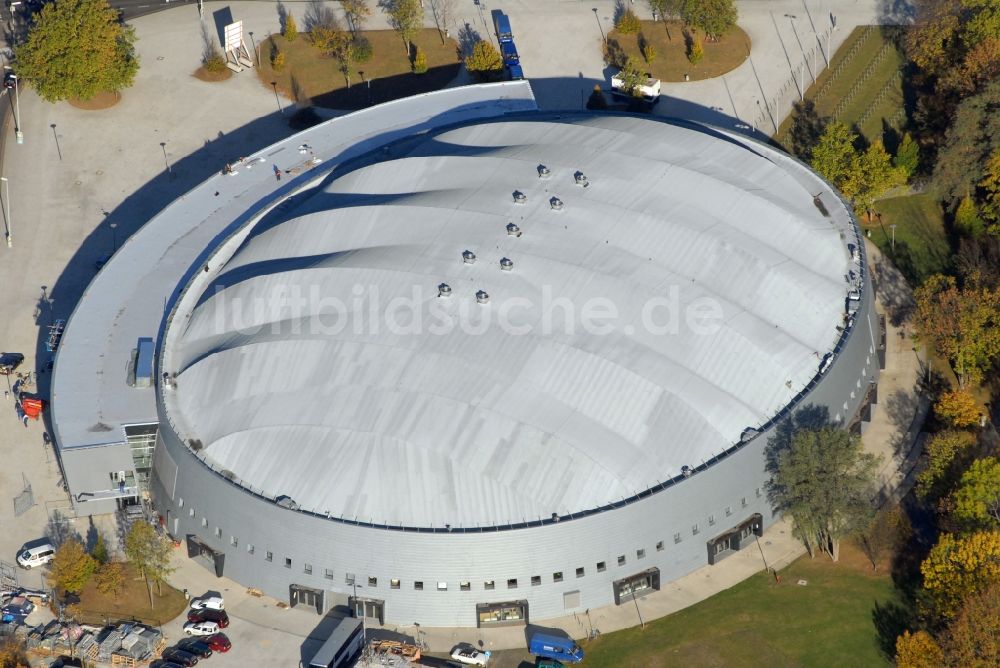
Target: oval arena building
(496,365)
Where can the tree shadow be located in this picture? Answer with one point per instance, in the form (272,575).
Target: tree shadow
(60,529)
(901,407)
(90,540)
(318,14)
(809,417)
(208,45)
(807,127)
(890,620)
(619,11)
(467,38)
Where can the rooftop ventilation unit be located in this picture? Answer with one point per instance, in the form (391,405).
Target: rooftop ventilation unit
(483,297)
(468,257)
(444,290)
(506,264)
(686,471)
(520,197)
(544,172)
(556,204)
(581,180)
(513,230)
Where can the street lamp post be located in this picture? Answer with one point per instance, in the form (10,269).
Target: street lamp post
(599,26)
(893,228)
(6,201)
(256,54)
(17,106)
(274,85)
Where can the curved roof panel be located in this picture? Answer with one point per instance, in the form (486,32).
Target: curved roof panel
(686,293)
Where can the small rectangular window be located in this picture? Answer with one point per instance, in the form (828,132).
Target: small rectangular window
(204,521)
(729,511)
(601,567)
(743,502)
(288,562)
(694,529)
(249,548)
(757,492)
(349,578)
(557,576)
(621,559)
(372,582)
(711,520)
(442,586)
(418,585)
(268,556)
(580,572)
(191,512)
(465,586)
(536,580)
(180,502)
(677,537)
(659,546)
(394,583)
(512,583)
(307,569)
(328,573)
(234,541)
(489,585)
(218,532)
(640,554)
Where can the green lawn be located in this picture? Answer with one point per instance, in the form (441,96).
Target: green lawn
(922,245)
(829,622)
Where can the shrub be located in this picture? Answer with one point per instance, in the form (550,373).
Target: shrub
(419,61)
(485,60)
(649,53)
(696,50)
(363,50)
(215,63)
(967,218)
(628,23)
(907,155)
(278,60)
(291,31)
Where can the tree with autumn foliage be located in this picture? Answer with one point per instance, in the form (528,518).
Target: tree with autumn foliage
(887,530)
(958,408)
(484,60)
(12,654)
(973,639)
(833,154)
(958,566)
(72,567)
(869,175)
(977,499)
(110,578)
(961,323)
(945,453)
(918,650)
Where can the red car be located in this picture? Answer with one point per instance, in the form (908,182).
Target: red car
(218,642)
(206,615)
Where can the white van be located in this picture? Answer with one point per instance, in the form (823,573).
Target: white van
(39,555)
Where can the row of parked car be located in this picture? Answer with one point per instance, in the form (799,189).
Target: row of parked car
(204,621)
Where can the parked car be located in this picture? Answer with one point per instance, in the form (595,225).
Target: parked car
(38,555)
(219,642)
(160,663)
(195,646)
(469,655)
(201,629)
(179,657)
(208,602)
(542,662)
(67,662)
(218,616)
(9,362)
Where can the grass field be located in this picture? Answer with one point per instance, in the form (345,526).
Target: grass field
(131,603)
(671,63)
(827,622)
(922,245)
(308,76)
(862,86)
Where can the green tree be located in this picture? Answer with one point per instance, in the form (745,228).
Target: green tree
(871,174)
(76,49)
(419,61)
(356,12)
(967,218)
(945,452)
(958,566)
(110,578)
(405,17)
(72,567)
(649,53)
(972,139)
(907,156)
(290,30)
(989,186)
(665,10)
(824,481)
(713,17)
(833,156)
(100,549)
(484,60)
(962,324)
(632,77)
(150,554)
(333,41)
(977,499)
